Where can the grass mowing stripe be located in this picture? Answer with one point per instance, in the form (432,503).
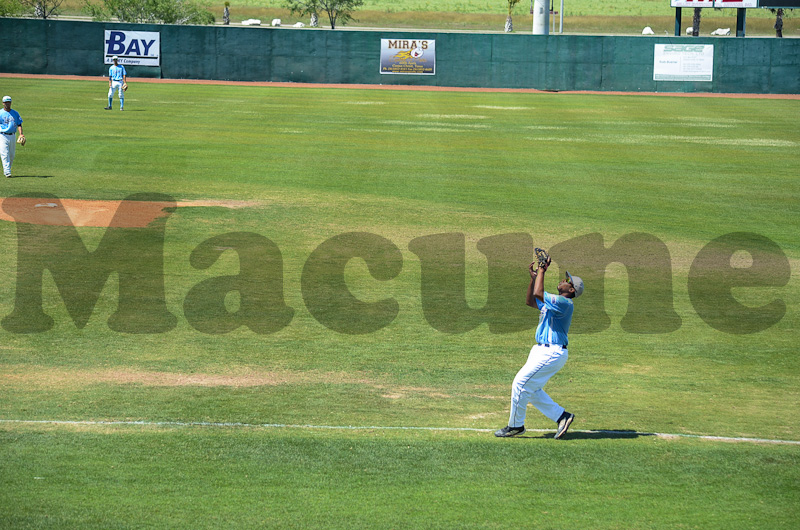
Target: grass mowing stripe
(386,428)
(337,177)
(133,477)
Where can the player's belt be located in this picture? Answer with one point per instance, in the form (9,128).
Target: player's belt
(9,134)
(554,345)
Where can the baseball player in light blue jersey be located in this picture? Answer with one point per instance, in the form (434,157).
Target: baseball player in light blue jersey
(10,122)
(547,357)
(117,80)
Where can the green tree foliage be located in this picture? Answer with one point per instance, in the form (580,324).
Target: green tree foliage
(11,8)
(42,8)
(302,7)
(338,11)
(150,11)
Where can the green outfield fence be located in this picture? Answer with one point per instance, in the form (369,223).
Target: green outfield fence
(557,62)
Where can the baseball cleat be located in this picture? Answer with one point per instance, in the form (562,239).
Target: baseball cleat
(563,424)
(508,432)
(107,108)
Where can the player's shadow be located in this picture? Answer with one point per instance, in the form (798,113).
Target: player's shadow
(599,434)
(603,434)
(31,177)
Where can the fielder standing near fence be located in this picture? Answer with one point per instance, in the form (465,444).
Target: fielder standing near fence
(10,123)
(549,355)
(117,80)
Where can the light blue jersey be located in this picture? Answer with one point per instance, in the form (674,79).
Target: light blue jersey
(9,121)
(554,319)
(117,72)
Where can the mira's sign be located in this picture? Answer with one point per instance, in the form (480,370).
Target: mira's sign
(140,48)
(408,56)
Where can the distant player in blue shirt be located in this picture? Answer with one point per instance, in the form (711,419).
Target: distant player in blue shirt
(10,123)
(547,357)
(117,80)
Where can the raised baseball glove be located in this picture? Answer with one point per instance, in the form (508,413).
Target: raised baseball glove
(542,258)
(21,140)
(125,87)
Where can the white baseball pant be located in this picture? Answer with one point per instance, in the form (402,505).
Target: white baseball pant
(8,146)
(542,364)
(116,85)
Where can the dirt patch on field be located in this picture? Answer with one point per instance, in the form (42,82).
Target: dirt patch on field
(78,212)
(43,377)
(406,87)
(404,392)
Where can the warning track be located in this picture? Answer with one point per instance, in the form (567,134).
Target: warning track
(270,84)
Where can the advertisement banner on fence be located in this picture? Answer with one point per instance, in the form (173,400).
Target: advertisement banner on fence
(134,48)
(683,62)
(408,56)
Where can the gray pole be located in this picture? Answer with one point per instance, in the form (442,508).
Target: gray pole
(541,17)
(561,18)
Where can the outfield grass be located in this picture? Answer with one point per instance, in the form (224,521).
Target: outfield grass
(207,478)
(316,163)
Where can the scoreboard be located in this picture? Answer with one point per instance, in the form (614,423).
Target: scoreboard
(715,3)
(779,3)
(739,4)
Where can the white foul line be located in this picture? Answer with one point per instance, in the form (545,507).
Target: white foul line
(620,434)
